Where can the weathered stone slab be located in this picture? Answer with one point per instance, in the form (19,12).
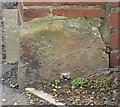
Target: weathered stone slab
(44,96)
(51,47)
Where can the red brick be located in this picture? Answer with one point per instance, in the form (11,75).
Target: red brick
(115,40)
(115,58)
(49,3)
(92,3)
(69,3)
(61,3)
(115,4)
(78,12)
(114,17)
(36,3)
(29,14)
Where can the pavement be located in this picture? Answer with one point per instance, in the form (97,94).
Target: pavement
(8,95)
(11,35)
(12,97)
(7,67)
(0,40)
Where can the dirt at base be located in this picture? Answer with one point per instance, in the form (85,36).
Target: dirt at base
(89,94)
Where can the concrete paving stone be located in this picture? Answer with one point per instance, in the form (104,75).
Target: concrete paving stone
(12,97)
(11,35)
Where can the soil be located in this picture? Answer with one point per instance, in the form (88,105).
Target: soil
(94,92)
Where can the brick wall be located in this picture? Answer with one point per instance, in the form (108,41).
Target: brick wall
(115,38)
(30,10)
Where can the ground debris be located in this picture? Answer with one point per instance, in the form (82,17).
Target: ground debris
(93,93)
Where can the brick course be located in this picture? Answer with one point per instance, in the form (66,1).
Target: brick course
(114,17)
(115,58)
(115,40)
(102,3)
(115,4)
(30,14)
(61,3)
(78,13)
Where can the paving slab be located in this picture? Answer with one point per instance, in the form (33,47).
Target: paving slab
(11,97)
(11,35)
(44,96)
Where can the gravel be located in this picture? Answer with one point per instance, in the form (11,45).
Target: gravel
(84,95)
(2,41)
(12,97)
(9,5)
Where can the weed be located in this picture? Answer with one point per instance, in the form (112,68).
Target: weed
(106,79)
(104,86)
(57,82)
(80,81)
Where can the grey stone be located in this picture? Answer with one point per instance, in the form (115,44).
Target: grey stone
(44,96)
(53,47)
(11,35)
(9,5)
(10,96)
(0,40)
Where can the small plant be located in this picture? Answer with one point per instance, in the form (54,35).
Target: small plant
(57,82)
(80,81)
(104,86)
(89,21)
(106,79)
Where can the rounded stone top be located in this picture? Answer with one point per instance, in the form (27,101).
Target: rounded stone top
(55,46)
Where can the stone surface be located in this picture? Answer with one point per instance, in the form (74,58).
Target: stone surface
(10,97)
(49,47)
(11,35)
(1,16)
(44,96)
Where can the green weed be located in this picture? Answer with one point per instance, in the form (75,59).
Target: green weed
(57,82)
(80,81)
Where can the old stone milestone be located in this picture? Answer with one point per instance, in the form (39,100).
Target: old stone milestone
(49,47)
